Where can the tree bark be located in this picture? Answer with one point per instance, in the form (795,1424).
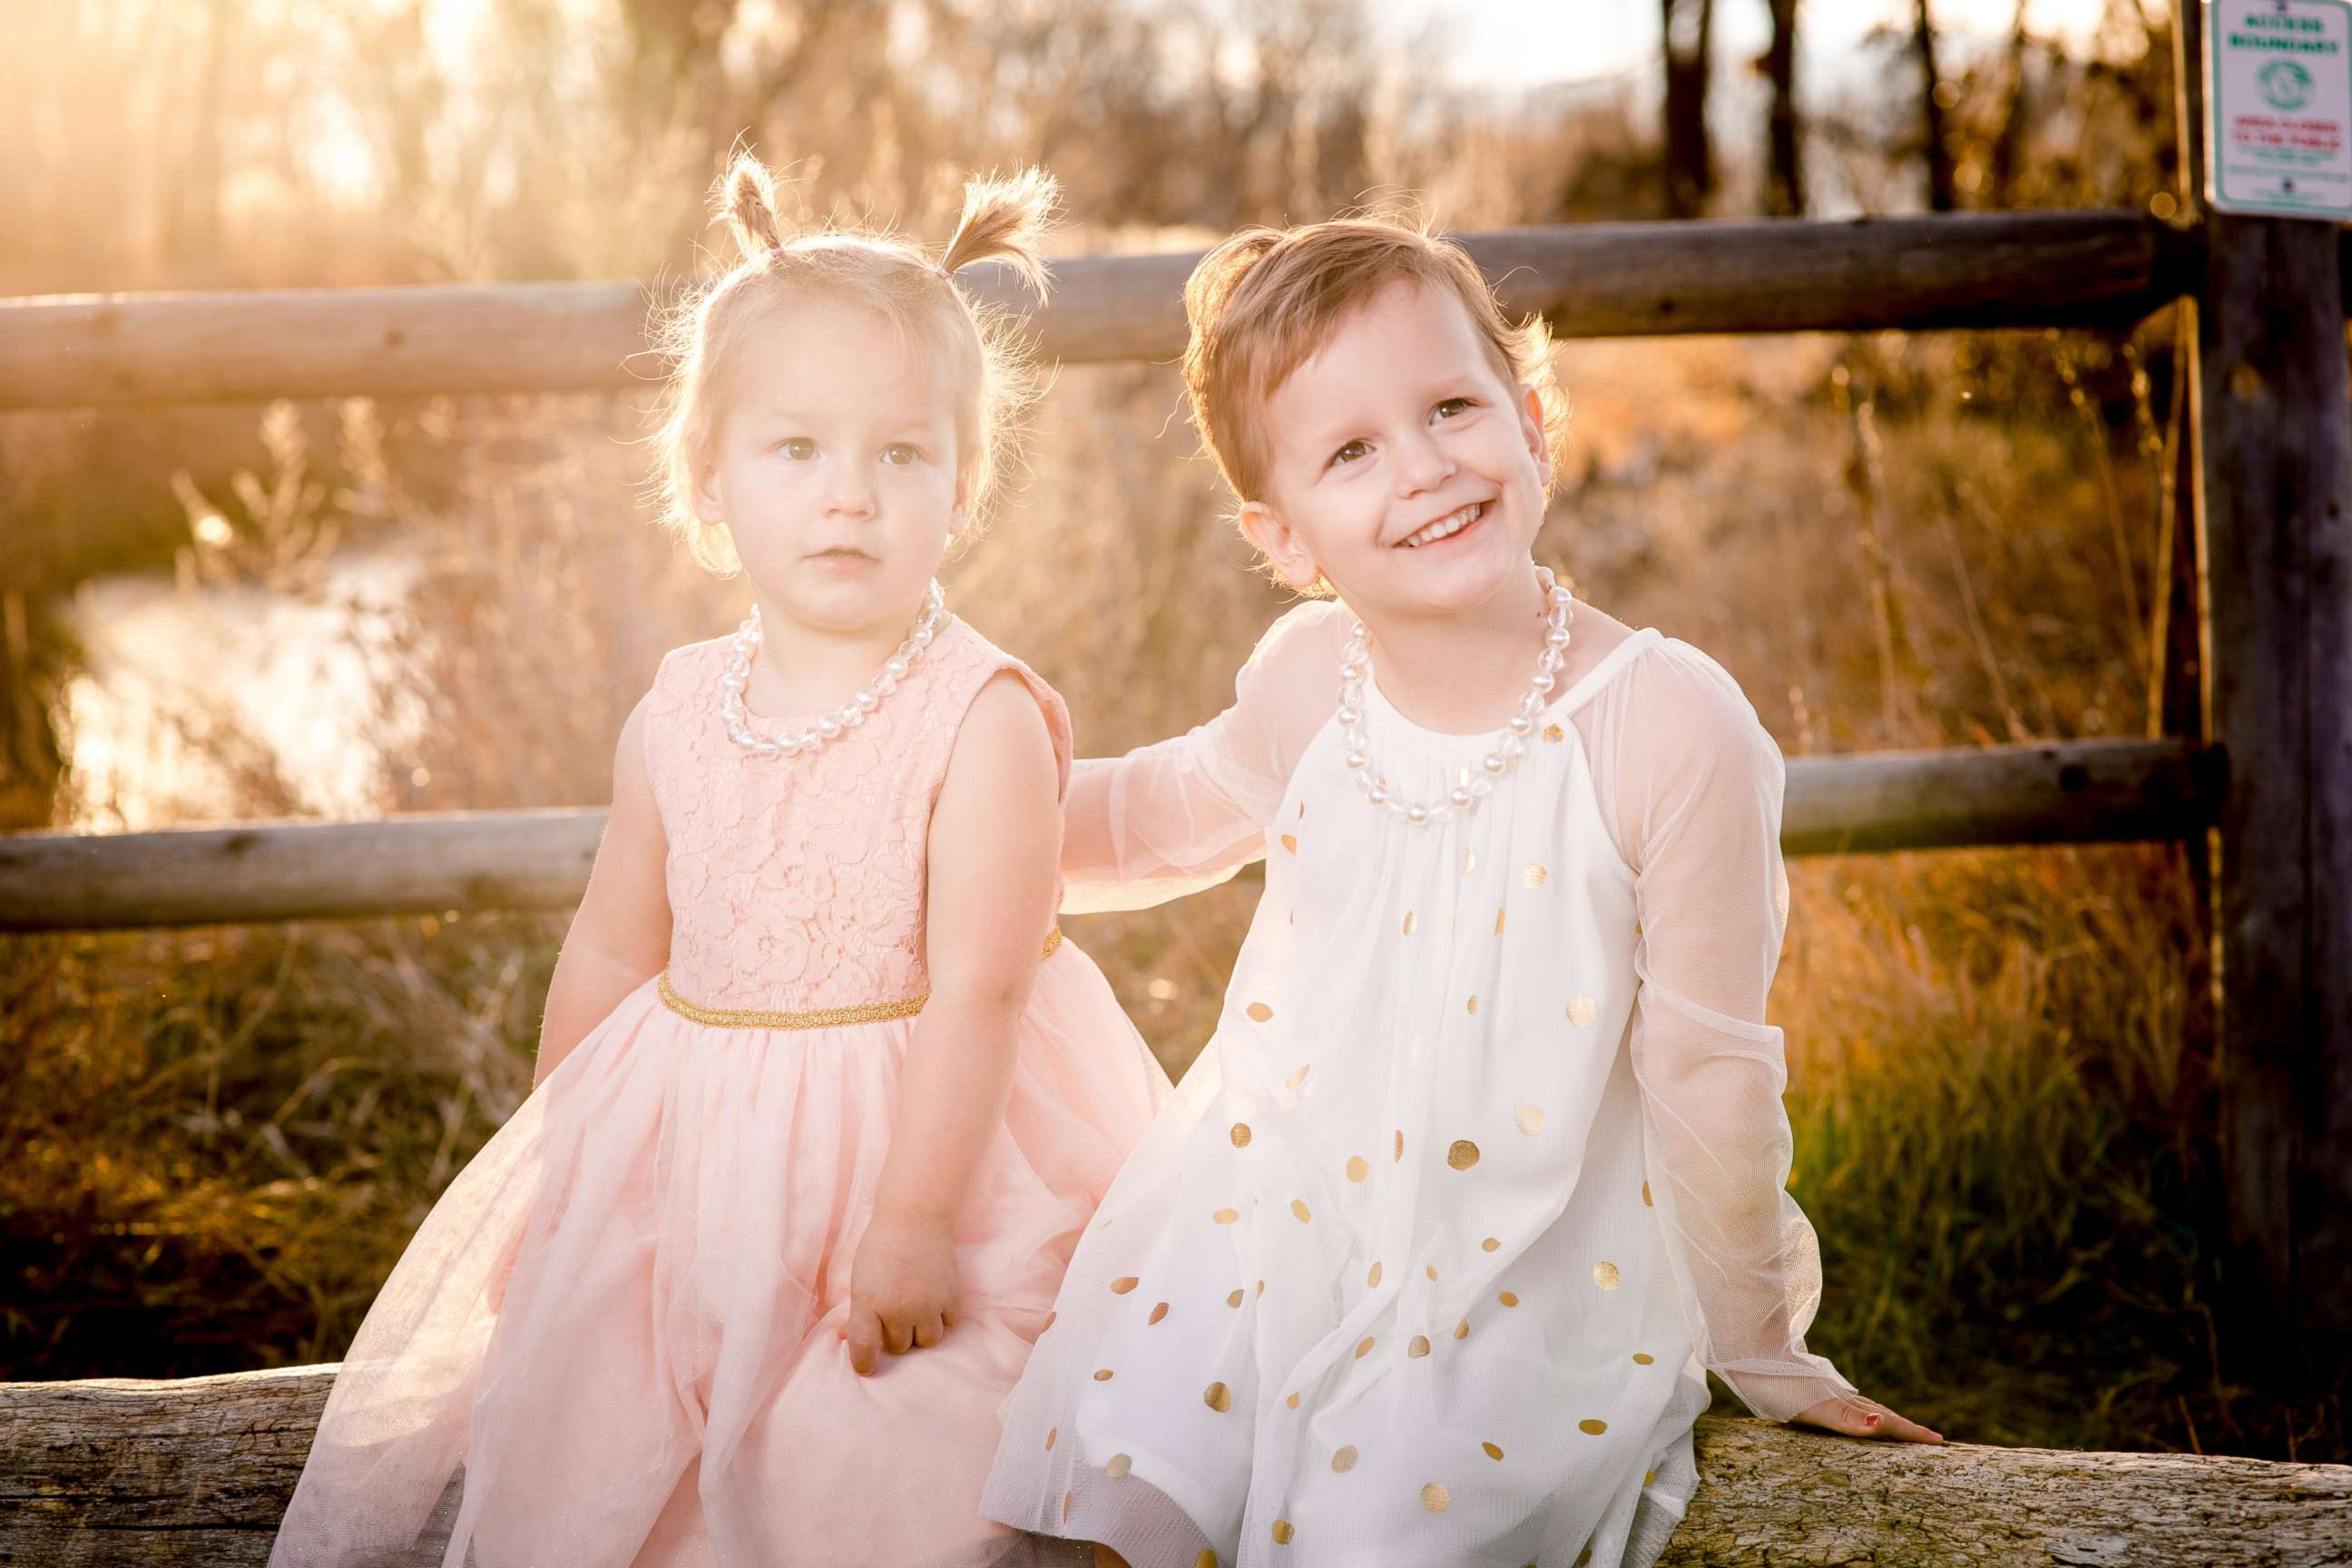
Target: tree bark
(199,1470)
(1940,196)
(1784,176)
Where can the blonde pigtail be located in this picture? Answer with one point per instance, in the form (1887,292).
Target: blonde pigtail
(1005,218)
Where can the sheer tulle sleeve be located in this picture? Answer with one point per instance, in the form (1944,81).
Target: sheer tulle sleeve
(1188,812)
(1693,781)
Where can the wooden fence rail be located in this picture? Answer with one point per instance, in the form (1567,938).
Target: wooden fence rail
(113,1472)
(2079,792)
(1600,279)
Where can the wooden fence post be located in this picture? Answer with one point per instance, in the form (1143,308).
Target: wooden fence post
(2274,528)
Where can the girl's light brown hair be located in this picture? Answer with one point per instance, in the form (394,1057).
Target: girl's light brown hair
(973,346)
(1266,300)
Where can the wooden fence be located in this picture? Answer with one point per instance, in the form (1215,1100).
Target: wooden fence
(2255,777)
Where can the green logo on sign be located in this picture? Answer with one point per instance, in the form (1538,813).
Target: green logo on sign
(2286,84)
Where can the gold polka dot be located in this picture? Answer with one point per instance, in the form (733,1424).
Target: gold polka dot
(1646,1195)
(1509,1299)
(1554,733)
(1581,1011)
(1474,1005)
(1400,1143)
(1605,1276)
(1582,1558)
(1593,1424)
(1282,1533)
(1462,1329)
(1492,1452)
(1431,1270)
(1533,876)
(1358,1168)
(1290,843)
(1226,1216)
(1434,1497)
(1103,1376)
(1240,1135)
(1120,1465)
(1649,1478)
(1296,1079)
(1643,1358)
(1051,1433)
(1498,922)
(1364,1347)
(1123,1284)
(1301,1211)
(1411,921)
(1344,1459)
(1531,1119)
(1469,861)
(1260,1287)
(1207,1559)
(1217,1397)
(1372,1281)
(1065,1508)
(1259,1011)
(1048,1322)
(1292,1402)
(1236,1299)
(1490,1244)
(1463,1155)
(1419,1347)
(1157,1312)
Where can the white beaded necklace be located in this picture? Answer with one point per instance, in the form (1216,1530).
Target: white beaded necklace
(738,674)
(1510,746)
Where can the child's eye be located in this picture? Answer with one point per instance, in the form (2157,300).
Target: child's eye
(1448,408)
(1348,454)
(898,454)
(797,448)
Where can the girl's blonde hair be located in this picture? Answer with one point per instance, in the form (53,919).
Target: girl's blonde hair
(1266,300)
(973,344)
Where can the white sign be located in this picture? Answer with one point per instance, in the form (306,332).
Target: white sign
(2278,92)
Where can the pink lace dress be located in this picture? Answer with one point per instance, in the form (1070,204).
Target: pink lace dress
(616,1338)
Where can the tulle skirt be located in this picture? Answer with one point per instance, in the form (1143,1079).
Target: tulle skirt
(617,1337)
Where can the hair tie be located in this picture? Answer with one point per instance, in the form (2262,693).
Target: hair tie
(941,268)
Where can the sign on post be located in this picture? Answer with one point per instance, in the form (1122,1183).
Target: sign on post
(2278,87)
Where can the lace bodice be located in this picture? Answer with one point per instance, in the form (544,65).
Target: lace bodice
(797,883)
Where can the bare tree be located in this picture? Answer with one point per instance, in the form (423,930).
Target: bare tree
(1686,26)
(1931,108)
(1784,175)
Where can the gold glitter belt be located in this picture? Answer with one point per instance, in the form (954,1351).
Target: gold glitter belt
(822,1018)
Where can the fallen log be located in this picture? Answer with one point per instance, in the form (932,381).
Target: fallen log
(121,1471)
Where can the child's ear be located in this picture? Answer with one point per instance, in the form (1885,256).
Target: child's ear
(707,508)
(1531,427)
(1280,543)
(958,510)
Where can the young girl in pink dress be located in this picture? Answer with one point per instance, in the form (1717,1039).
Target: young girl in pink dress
(820,1084)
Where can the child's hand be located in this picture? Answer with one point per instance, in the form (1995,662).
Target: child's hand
(1854,1416)
(902,1289)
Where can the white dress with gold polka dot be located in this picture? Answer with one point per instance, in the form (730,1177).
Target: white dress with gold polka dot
(1485,1161)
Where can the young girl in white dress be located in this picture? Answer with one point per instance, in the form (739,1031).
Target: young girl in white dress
(1486,1158)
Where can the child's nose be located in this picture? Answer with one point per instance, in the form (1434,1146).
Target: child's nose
(1423,464)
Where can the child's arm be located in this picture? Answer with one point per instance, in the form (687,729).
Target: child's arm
(1699,791)
(994,836)
(620,935)
(1186,812)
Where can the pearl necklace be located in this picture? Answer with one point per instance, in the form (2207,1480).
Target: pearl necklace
(1510,746)
(738,674)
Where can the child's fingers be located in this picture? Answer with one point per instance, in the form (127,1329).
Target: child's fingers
(897,1336)
(863,1336)
(929,1332)
(1858,1416)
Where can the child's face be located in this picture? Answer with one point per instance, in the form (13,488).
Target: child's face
(1400,428)
(833,468)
